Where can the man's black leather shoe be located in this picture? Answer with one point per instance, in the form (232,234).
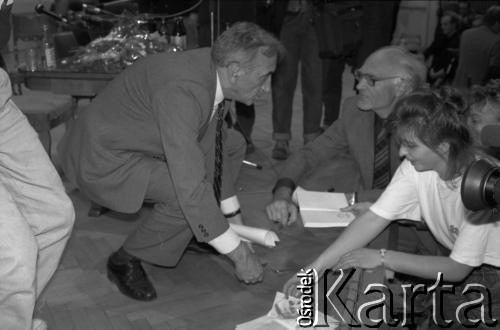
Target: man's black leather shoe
(131,279)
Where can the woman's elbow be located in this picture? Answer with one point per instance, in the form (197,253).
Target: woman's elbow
(458,273)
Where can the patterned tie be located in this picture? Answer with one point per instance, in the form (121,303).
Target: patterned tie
(218,153)
(382,168)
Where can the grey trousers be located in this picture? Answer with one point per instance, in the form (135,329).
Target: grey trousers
(163,236)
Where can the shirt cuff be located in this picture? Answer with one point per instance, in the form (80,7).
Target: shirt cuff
(226,242)
(230,205)
(295,195)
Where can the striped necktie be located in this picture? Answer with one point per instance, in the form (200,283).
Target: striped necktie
(382,168)
(218,153)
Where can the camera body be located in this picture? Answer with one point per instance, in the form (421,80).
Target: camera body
(481,181)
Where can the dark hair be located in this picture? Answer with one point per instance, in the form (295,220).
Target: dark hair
(480,95)
(454,18)
(435,117)
(492,16)
(241,43)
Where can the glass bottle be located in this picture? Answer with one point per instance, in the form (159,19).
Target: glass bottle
(178,36)
(48,49)
(163,30)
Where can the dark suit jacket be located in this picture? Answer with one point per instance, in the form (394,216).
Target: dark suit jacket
(349,137)
(159,108)
(479,51)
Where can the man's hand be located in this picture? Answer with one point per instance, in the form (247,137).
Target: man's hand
(247,265)
(283,211)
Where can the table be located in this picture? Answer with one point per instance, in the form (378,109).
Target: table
(76,84)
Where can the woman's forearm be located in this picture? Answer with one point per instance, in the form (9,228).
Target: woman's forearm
(426,267)
(359,233)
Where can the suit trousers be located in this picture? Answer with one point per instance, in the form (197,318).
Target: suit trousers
(36,218)
(333,70)
(163,236)
(299,38)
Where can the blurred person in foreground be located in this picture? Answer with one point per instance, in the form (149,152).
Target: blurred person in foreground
(36,216)
(151,134)
(356,153)
(437,148)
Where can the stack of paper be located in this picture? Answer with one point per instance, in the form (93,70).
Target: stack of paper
(322,209)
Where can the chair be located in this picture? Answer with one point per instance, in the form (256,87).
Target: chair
(44,110)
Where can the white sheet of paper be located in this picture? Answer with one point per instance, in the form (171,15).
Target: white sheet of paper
(318,200)
(258,235)
(322,209)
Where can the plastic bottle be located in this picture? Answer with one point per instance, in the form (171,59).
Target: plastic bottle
(178,36)
(49,52)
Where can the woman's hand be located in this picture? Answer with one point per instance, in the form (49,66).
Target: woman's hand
(361,258)
(358,208)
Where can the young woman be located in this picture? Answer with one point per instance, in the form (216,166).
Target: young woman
(437,147)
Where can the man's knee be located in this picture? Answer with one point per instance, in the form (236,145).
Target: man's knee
(235,144)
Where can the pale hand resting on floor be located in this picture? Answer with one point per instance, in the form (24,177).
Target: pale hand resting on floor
(247,265)
(282,209)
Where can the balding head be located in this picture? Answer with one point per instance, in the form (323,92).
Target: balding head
(395,60)
(387,75)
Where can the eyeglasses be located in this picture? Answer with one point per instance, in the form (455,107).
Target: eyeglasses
(370,79)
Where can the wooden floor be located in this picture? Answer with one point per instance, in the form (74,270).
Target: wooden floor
(202,291)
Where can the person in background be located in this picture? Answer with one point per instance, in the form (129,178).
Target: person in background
(485,110)
(377,27)
(36,216)
(5,28)
(437,148)
(153,134)
(356,153)
(479,54)
(442,54)
(299,38)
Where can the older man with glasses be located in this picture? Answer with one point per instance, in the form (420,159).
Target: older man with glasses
(356,153)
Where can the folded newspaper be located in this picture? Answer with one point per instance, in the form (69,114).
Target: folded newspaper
(323,209)
(283,316)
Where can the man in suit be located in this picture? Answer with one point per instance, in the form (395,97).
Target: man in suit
(346,156)
(479,53)
(150,135)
